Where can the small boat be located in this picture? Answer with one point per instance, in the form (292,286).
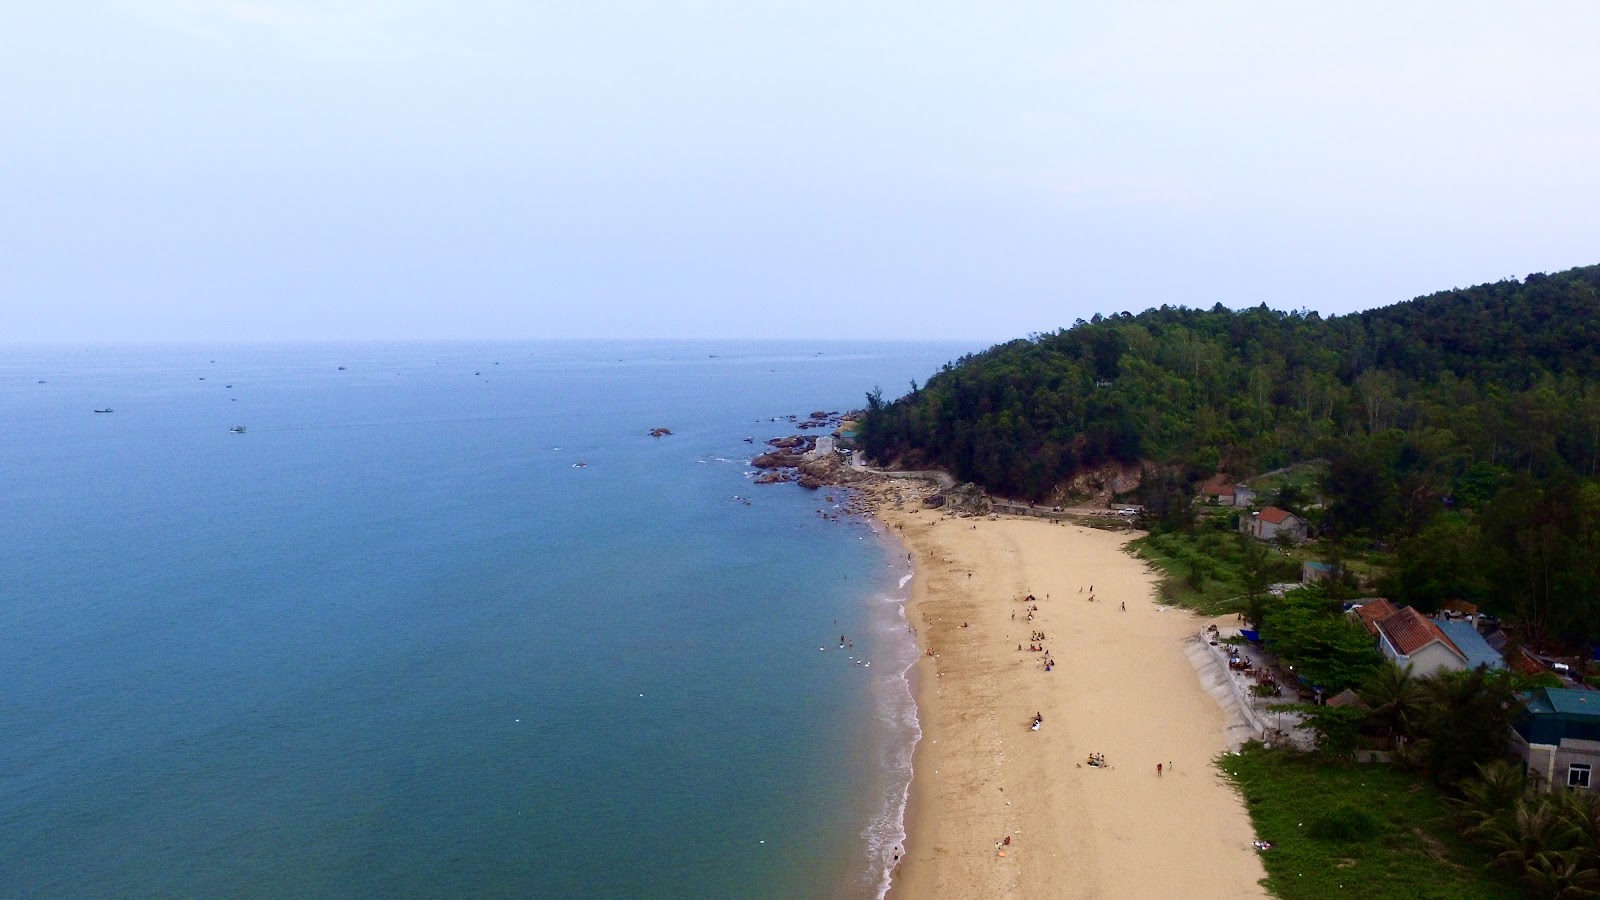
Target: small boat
(106,410)
(237,429)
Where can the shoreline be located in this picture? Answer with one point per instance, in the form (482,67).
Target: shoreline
(1120,685)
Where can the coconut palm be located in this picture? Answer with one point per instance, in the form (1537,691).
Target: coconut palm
(1466,714)
(1491,795)
(1394,696)
(1561,876)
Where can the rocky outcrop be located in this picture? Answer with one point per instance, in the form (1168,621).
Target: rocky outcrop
(830,468)
(778,460)
(1098,485)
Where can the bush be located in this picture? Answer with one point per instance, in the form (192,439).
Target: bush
(1344,824)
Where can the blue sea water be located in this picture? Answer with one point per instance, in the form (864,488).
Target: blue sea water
(392,641)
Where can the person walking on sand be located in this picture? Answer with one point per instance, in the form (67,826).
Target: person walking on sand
(1158,770)
(1124,606)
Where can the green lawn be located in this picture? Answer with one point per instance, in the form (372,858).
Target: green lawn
(1356,831)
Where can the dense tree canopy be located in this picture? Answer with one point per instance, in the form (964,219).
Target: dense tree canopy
(1463,426)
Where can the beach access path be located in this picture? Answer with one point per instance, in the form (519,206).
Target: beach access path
(1121,686)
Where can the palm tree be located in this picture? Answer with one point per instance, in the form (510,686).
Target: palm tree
(1561,875)
(1491,795)
(1466,715)
(1531,827)
(1394,696)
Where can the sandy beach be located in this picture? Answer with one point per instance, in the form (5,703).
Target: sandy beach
(1120,686)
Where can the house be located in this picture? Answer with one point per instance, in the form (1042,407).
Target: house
(1409,638)
(1557,736)
(824,448)
(1370,612)
(1313,572)
(1465,636)
(1267,524)
(1220,494)
(1243,496)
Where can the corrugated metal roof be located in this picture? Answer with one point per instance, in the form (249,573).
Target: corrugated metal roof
(1573,703)
(1471,644)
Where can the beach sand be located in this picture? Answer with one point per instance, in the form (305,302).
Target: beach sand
(1121,686)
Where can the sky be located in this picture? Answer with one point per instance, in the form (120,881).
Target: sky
(203,170)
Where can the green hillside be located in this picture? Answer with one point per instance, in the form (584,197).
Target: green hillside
(1461,427)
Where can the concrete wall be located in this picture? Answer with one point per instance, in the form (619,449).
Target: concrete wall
(1548,764)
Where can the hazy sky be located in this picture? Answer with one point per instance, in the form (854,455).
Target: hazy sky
(278,169)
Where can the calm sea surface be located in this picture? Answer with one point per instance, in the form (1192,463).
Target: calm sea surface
(391,641)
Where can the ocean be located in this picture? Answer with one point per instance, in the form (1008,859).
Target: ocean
(443,621)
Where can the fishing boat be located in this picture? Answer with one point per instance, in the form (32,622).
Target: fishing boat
(106,410)
(237,429)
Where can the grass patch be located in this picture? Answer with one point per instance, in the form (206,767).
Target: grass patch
(1201,570)
(1356,831)
(1303,481)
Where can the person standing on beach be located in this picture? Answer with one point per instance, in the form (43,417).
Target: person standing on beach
(1158,770)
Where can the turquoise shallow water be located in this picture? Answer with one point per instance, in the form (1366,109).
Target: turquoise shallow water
(391,642)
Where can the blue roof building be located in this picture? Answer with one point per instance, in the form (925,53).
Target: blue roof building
(1557,735)
(1471,644)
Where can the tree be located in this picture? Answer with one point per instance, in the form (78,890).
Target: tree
(1318,642)
(1443,562)
(1490,797)
(1255,567)
(1394,698)
(1337,728)
(1165,497)
(1465,717)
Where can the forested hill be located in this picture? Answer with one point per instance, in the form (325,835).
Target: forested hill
(1486,382)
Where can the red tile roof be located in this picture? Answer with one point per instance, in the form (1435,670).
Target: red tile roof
(1410,631)
(1275,515)
(1374,611)
(1216,489)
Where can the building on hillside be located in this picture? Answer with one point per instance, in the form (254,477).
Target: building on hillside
(1557,736)
(1271,522)
(1243,496)
(1370,612)
(1409,638)
(1220,494)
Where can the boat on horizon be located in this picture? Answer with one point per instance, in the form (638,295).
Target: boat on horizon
(237,429)
(106,410)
